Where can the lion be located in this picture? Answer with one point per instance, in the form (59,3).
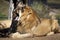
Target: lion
(5,24)
(5,28)
(30,22)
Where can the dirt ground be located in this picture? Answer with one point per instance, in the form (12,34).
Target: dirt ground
(51,37)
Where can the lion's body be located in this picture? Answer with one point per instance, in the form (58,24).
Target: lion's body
(31,23)
(46,26)
(6,23)
(5,28)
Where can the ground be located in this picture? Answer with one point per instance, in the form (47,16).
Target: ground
(52,37)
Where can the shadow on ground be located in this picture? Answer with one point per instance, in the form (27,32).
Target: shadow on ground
(51,37)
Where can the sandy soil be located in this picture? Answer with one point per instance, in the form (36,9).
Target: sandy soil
(51,37)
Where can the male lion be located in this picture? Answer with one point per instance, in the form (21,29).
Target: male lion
(30,22)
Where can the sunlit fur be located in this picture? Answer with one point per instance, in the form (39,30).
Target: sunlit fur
(30,22)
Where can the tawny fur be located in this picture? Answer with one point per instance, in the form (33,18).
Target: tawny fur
(30,22)
(5,24)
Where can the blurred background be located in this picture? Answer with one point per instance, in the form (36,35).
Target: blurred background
(4,6)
